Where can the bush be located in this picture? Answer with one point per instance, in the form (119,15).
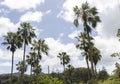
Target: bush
(47,80)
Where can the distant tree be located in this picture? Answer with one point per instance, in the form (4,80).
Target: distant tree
(12,42)
(117,70)
(26,34)
(103,75)
(64,58)
(68,74)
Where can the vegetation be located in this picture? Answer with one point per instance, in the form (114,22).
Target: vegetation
(25,35)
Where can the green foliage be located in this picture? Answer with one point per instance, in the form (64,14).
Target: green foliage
(48,80)
(103,75)
(111,80)
(92,81)
(75,75)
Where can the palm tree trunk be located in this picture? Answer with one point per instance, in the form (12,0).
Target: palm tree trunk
(64,66)
(12,67)
(91,58)
(22,78)
(95,70)
(24,52)
(31,75)
(37,66)
(88,69)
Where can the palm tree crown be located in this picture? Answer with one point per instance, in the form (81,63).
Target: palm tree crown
(11,41)
(64,58)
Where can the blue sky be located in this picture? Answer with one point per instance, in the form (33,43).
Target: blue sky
(53,21)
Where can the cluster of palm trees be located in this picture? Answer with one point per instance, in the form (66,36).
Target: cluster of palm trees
(90,18)
(26,34)
(23,37)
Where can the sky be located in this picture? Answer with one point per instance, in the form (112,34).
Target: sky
(53,21)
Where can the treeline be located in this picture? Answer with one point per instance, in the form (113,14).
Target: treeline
(70,76)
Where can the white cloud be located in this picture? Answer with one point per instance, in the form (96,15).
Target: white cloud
(74,34)
(6,25)
(22,4)
(4,11)
(48,11)
(68,15)
(107,47)
(6,64)
(32,16)
(57,47)
(7,55)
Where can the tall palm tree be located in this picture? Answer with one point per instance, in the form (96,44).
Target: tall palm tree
(12,42)
(26,34)
(64,58)
(42,48)
(90,18)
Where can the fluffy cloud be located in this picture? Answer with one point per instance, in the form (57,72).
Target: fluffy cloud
(74,34)
(32,16)
(6,25)
(6,55)
(57,47)
(22,4)
(68,14)
(107,47)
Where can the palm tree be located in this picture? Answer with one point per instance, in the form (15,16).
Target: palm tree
(64,58)
(42,48)
(12,42)
(96,56)
(26,33)
(31,60)
(21,67)
(90,18)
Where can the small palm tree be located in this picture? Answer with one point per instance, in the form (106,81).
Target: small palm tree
(21,67)
(96,57)
(31,59)
(42,48)
(12,42)
(64,58)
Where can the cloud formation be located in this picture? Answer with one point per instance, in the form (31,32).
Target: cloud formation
(32,17)
(22,4)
